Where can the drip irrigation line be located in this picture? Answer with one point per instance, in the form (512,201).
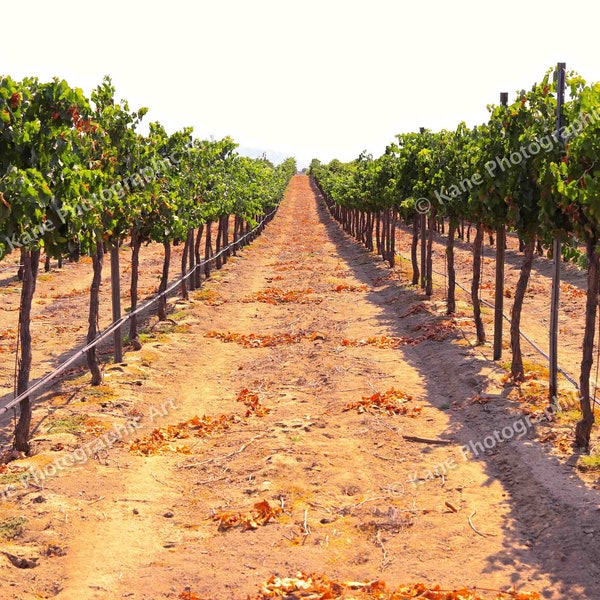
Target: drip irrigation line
(10,268)
(566,375)
(524,336)
(117,324)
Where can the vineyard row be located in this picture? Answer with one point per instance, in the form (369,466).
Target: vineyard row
(485,176)
(77,177)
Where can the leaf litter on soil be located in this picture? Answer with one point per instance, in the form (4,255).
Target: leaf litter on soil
(162,439)
(252,401)
(437,332)
(261,514)
(382,341)
(278,296)
(253,340)
(320,587)
(343,287)
(392,402)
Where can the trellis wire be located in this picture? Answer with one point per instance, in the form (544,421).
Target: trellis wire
(117,324)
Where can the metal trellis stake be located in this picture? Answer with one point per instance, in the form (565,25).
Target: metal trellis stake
(556,252)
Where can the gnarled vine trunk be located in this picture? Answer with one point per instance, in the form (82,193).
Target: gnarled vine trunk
(451,302)
(30,260)
(219,257)
(191,258)
(584,426)
(516,369)
(162,301)
(184,261)
(477,246)
(225,240)
(92,353)
(208,249)
(413,249)
(136,244)
(391,250)
(429,284)
(198,273)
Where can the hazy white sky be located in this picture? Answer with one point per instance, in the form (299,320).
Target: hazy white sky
(309,78)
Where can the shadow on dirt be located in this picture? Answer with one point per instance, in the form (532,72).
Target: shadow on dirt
(554,515)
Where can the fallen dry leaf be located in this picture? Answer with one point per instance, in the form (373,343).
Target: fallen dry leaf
(159,439)
(319,587)
(252,401)
(393,402)
(279,296)
(343,287)
(382,341)
(253,340)
(261,514)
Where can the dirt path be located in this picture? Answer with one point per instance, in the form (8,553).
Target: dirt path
(349,495)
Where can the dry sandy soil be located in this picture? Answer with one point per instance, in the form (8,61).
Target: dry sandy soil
(234,445)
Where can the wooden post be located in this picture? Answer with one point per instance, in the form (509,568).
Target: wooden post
(115,282)
(499,291)
(556,254)
(423,227)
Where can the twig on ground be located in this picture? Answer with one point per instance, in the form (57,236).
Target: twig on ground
(225,457)
(305,526)
(370,500)
(385,560)
(391,458)
(227,474)
(315,505)
(115,461)
(422,440)
(213,480)
(473,526)
(132,500)
(163,483)
(384,425)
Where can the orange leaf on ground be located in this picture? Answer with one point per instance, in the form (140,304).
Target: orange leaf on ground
(262,514)
(392,402)
(252,340)
(187,595)
(382,341)
(279,296)
(344,287)
(320,587)
(159,440)
(252,401)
